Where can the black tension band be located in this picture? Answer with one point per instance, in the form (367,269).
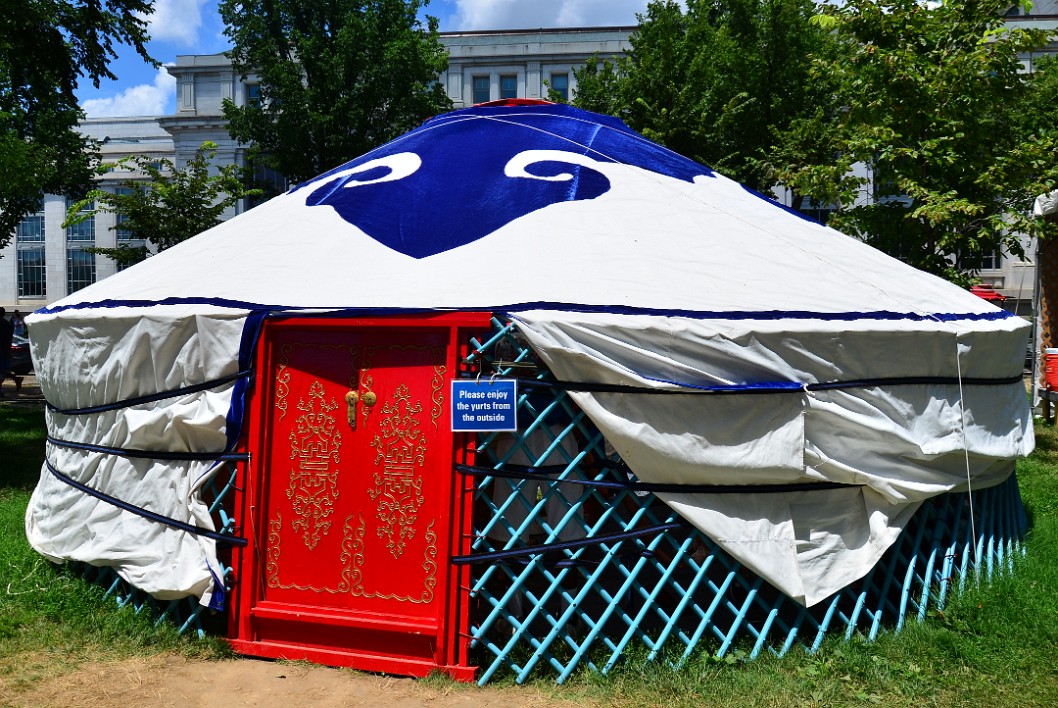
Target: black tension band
(153,454)
(150,398)
(150,515)
(914,380)
(563,546)
(763,388)
(532,473)
(581,562)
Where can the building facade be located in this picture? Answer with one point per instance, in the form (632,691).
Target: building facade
(44,261)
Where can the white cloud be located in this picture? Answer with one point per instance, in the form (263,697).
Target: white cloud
(176,20)
(142,100)
(518,14)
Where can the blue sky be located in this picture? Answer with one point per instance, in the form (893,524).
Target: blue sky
(194,27)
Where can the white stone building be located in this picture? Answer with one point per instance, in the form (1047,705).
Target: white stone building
(45,262)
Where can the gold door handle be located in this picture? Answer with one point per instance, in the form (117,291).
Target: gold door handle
(351,399)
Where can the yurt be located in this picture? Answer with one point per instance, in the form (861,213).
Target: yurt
(521,391)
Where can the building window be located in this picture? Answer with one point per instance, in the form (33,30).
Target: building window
(815,210)
(125,238)
(560,85)
(31,229)
(31,278)
(80,264)
(80,269)
(508,87)
(84,231)
(253,94)
(481,89)
(123,234)
(270,181)
(29,244)
(992,260)
(123,265)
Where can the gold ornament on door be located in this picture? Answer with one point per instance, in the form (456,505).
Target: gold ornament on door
(314,445)
(400,446)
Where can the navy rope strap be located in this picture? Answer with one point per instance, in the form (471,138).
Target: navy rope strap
(763,387)
(582,562)
(150,515)
(520,472)
(151,397)
(153,454)
(563,546)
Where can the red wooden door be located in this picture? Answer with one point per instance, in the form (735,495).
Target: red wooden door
(358,509)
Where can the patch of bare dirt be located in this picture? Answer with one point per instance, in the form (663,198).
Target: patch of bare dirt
(163,681)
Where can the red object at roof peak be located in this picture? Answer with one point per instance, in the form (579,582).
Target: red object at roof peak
(988,292)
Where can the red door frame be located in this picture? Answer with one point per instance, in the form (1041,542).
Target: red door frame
(450,656)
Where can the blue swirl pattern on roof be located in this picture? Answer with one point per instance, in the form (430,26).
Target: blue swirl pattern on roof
(448,183)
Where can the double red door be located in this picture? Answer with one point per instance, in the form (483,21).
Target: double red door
(351,502)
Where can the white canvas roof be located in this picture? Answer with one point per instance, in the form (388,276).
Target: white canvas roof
(795,354)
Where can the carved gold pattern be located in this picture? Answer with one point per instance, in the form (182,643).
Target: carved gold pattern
(346,556)
(272,565)
(400,446)
(283,382)
(437,394)
(367,381)
(316,443)
(314,483)
(429,565)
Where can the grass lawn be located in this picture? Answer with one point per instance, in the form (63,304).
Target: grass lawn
(51,620)
(994,645)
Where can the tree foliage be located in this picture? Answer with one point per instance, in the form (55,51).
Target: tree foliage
(46,48)
(715,82)
(933,99)
(337,78)
(164,205)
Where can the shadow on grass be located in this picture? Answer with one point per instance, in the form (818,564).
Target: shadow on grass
(22,437)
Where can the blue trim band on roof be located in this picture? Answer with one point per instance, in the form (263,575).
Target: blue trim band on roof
(512,309)
(882,315)
(114,304)
(145,513)
(151,397)
(151,454)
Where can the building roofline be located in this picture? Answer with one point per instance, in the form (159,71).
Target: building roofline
(539,30)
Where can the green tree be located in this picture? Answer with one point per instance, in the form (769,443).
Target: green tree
(337,78)
(933,101)
(716,82)
(46,48)
(165,205)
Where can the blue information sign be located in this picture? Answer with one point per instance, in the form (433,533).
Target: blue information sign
(481,406)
